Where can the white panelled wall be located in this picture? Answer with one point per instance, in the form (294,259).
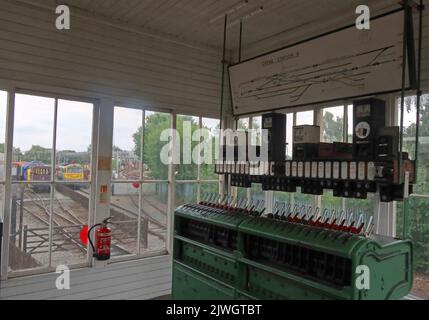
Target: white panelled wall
(97,59)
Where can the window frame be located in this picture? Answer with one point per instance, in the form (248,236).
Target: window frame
(8,183)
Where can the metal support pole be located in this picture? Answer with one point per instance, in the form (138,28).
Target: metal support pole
(419,92)
(223,71)
(240,41)
(404,61)
(8,183)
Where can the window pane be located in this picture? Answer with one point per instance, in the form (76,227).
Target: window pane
(3,109)
(330,202)
(422,185)
(282,197)
(29,231)
(70,216)
(210,187)
(127,143)
(33,133)
(154,217)
(207,170)
(74,137)
(305,117)
(187,169)
(124,208)
(243,124)
(155,124)
(410,114)
(364,205)
(257,125)
(256,192)
(333,120)
(418,231)
(186,193)
(301,198)
(242,192)
(350,123)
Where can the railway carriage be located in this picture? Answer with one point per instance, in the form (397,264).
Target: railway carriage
(35,171)
(71,172)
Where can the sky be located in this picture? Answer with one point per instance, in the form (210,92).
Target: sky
(34,121)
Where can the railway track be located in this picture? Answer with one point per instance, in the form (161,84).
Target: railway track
(57,225)
(66,224)
(122,213)
(65,219)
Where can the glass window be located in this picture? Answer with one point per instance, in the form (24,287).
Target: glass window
(33,129)
(212,127)
(332,124)
(417,229)
(40,205)
(154,217)
(305,118)
(199,149)
(186,193)
(155,124)
(139,204)
(257,126)
(186,126)
(124,210)
(350,123)
(126,151)
(74,137)
(29,228)
(415,209)
(243,124)
(330,202)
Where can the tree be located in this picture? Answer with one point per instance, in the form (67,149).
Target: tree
(415,210)
(38,153)
(332,128)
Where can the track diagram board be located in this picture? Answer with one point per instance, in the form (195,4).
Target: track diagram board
(344,64)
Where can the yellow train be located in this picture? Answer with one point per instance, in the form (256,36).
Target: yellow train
(71,172)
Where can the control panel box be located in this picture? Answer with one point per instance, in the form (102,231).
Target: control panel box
(306,134)
(275,124)
(369,115)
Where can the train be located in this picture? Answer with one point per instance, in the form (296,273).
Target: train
(38,171)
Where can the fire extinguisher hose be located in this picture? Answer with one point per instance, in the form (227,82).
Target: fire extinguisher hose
(94,254)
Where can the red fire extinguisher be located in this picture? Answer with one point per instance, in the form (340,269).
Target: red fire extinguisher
(103,239)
